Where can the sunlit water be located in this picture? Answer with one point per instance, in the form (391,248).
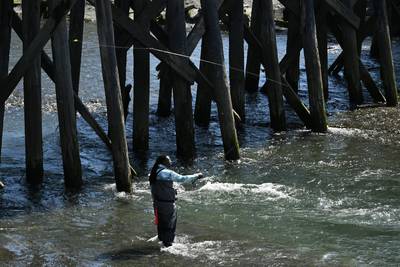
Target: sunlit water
(296,198)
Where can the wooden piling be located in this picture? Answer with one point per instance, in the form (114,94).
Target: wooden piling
(65,104)
(165,94)
(32,96)
(365,76)
(270,57)
(122,53)
(293,40)
(5,38)
(141,88)
(236,58)
(164,74)
(322,37)
(394,16)
(219,80)
(313,67)
(253,64)
(181,88)
(202,112)
(351,61)
(76,24)
(360,9)
(385,53)
(113,96)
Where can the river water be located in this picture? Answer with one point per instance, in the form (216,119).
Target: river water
(294,199)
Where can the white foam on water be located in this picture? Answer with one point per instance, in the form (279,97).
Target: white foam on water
(271,189)
(377,173)
(351,132)
(110,187)
(329,257)
(388,216)
(212,250)
(329,163)
(328,204)
(135,195)
(153,239)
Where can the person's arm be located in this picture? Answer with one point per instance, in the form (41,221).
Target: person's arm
(169,175)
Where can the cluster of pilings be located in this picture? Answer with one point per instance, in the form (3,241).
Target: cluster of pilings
(309,23)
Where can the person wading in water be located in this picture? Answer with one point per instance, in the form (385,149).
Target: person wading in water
(161,180)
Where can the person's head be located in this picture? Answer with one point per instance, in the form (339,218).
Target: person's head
(161,160)
(164,160)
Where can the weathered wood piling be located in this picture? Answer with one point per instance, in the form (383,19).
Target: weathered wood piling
(122,53)
(219,79)
(385,53)
(116,124)
(5,39)
(141,86)
(313,67)
(253,65)
(181,88)
(309,22)
(76,23)
(236,58)
(273,73)
(65,103)
(32,96)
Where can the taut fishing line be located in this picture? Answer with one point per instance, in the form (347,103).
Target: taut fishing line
(182,56)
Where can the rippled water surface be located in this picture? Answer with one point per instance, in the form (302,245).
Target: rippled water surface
(296,198)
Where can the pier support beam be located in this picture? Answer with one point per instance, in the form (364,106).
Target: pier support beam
(121,53)
(32,96)
(202,112)
(5,38)
(322,36)
(273,73)
(222,93)
(385,53)
(236,57)
(253,64)
(351,61)
(65,105)
(141,87)
(112,88)
(313,67)
(165,94)
(293,40)
(76,23)
(181,88)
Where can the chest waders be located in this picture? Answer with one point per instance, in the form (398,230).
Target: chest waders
(164,196)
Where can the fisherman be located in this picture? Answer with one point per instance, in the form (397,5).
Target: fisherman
(161,180)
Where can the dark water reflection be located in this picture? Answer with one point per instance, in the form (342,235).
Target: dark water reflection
(295,198)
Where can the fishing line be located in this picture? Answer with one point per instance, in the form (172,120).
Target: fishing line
(182,56)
